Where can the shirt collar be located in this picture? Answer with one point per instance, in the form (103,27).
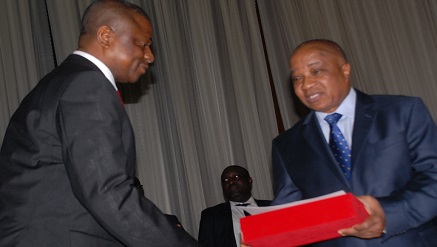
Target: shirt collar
(105,70)
(346,108)
(251,202)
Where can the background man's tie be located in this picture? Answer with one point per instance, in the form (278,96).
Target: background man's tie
(338,145)
(243,205)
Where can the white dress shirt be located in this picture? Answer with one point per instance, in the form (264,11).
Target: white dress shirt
(105,70)
(237,213)
(346,122)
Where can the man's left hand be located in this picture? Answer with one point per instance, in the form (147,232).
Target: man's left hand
(373,226)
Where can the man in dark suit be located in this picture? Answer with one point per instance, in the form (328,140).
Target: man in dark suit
(220,224)
(393,140)
(67,162)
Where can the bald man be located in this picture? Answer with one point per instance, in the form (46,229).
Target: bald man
(390,142)
(220,224)
(67,162)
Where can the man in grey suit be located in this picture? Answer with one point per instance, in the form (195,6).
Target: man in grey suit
(67,162)
(393,159)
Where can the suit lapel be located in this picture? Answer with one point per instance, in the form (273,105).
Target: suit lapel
(229,225)
(316,154)
(313,135)
(364,115)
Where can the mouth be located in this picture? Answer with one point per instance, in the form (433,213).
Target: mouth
(312,97)
(143,68)
(234,188)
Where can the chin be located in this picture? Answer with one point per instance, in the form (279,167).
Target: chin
(133,80)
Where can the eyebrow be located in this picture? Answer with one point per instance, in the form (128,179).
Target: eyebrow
(311,64)
(314,63)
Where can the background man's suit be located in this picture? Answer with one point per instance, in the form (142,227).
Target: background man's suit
(216,227)
(394,158)
(72,137)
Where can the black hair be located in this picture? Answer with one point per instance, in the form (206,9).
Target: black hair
(105,11)
(327,42)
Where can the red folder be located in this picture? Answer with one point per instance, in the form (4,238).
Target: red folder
(304,223)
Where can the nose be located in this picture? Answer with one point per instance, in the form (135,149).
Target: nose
(307,82)
(148,55)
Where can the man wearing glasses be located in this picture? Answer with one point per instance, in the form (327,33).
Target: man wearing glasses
(220,224)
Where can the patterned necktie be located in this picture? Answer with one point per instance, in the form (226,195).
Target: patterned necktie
(338,145)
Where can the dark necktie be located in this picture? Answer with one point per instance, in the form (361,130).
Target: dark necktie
(243,205)
(338,145)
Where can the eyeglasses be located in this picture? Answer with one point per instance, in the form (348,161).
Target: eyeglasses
(235,177)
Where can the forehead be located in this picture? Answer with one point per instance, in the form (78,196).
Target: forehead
(140,25)
(314,52)
(233,171)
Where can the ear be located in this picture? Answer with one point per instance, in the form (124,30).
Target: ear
(250,183)
(104,36)
(346,69)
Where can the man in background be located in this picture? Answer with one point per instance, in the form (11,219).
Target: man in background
(386,154)
(220,224)
(67,162)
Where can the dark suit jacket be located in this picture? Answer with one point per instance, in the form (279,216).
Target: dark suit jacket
(394,158)
(216,227)
(67,165)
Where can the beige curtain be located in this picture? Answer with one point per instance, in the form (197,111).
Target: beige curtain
(206,102)
(25,52)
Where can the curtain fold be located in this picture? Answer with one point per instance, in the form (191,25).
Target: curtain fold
(213,104)
(25,52)
(65,17)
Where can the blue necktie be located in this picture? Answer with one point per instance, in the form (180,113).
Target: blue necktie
(338,145)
